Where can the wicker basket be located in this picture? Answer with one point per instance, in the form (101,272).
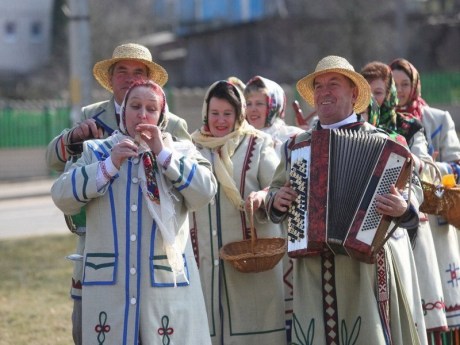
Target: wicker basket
(254,255)
(441,201)
(451,211)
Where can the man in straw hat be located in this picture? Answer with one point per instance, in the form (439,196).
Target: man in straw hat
(128,63)
(338,299)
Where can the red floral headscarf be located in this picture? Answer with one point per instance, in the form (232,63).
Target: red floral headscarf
(415,102)
(162,121)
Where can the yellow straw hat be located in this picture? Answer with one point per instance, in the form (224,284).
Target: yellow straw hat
(129,51)
(340,65)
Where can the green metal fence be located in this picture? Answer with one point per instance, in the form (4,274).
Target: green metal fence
(31,123)
(441,88)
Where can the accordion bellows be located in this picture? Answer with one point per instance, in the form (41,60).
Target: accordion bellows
(337,176)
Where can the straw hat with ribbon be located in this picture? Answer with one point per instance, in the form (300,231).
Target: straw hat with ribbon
(340,65)
(129,51)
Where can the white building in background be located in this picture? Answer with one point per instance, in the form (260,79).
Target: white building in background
(25,35)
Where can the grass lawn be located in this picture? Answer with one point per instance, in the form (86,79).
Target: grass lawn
(35,306)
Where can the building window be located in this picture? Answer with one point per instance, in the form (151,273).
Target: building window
(10,31)
(36,31)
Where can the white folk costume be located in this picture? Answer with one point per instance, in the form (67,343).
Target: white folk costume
(340,300)
(426,261)
(59,153)
(280,132)
(132,288)
(243,308)
(408,130)
(411,261)
(442,138)
(444,146)
(59,157)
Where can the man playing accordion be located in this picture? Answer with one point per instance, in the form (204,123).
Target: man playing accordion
(337,298)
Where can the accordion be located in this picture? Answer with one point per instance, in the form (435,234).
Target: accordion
(337,176)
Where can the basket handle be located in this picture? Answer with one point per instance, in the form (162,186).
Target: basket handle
(436,169)
(251,221)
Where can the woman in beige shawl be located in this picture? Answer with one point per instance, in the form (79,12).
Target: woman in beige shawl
(243,308)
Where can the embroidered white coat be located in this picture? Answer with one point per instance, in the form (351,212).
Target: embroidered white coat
(442,137)
(243,308)
(128,287)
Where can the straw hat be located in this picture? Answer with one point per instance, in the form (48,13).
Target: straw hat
(129,51)
(340,65)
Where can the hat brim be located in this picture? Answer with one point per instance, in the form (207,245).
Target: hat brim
(305,87)
(101,71)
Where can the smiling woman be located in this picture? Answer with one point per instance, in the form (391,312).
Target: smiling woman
(242,308)
(266,106)
(221,117)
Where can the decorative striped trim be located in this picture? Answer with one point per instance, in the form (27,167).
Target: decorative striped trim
(60,143)
(331,322)
(383,293)
(246,165)
(189,178)
(436,131)
(85,182)
(181,171)
(74,186)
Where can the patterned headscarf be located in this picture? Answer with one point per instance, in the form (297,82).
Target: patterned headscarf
(373,112)
(155,188)
(387,110)
(415,102)
(224,147)
(402,123)
(162,121)
(395,123)
(276,97)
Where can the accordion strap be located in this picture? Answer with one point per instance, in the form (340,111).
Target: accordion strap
(405,308)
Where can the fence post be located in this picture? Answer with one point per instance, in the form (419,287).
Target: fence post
(9,122)
(47,115)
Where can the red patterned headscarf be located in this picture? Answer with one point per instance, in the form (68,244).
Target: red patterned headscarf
(415,102)
(157,89)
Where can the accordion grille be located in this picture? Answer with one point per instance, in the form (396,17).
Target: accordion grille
(353,158)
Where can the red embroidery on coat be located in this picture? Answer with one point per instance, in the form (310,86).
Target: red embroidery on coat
(101,328)
(76,284)
(165,331)
(246,165)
